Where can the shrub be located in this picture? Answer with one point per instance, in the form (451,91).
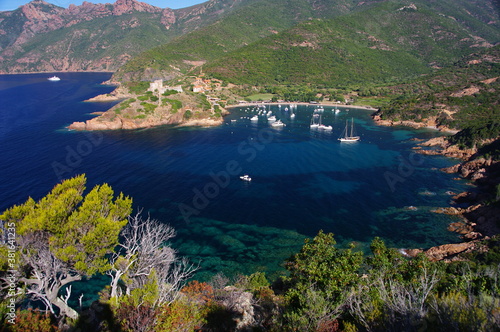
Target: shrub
(133,318)
(149,108)
(320,278)
(176,104)
(200,291)
(188,114)
(138,87)
(170,92)
(33,320)
(183,314)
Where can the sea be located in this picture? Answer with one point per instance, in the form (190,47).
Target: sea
(302,180)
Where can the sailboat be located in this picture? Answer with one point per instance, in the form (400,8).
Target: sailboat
(314,125)
(349,136)
(322,126)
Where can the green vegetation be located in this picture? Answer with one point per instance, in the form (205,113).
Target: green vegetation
(138,88)
(327,289)
(170,92)
(188,114)
(176,104)
(260,97)
(124,105)
(468,91)
(376,54)
(353,48)
(66,236)
(148,108)
(475,133)
(243,26)
(319,277)
(348,50)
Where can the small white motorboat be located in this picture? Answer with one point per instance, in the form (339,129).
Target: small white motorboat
(54,78)
(278,124)
(246,177)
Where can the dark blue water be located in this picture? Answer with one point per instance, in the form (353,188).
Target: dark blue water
(302,180)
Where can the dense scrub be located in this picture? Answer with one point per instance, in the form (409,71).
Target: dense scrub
(326,289)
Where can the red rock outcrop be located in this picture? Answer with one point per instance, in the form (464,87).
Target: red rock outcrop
(40,17)
(448,250)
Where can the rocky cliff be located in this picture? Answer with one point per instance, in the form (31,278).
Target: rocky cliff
(41,37)
(479,207)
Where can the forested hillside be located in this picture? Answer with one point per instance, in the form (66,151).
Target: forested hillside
(243,27)
(384,43)
(461,96)
(334,43)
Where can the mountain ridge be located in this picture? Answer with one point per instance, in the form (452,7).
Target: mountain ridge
(40,37)
(25,32)
(379,40)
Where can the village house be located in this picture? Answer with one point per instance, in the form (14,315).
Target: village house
(203,85)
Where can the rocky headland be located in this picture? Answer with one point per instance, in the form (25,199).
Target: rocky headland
(478,207)
(135,112)
(431,122)
(480,215)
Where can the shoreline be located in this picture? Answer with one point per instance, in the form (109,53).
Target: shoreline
(412,124)
(59,72)
(479,220)
(368,108)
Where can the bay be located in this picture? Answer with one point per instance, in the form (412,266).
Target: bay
(303,180)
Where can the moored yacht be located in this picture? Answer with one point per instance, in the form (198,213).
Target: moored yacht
(278,124)
(246,177)
(349,136)
(313,124)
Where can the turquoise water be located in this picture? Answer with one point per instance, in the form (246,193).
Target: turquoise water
(302,180)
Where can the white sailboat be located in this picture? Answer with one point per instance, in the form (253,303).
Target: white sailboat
(314,125)
(349,136)
(322,126)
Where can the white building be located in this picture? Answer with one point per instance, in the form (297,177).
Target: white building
(158,86)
